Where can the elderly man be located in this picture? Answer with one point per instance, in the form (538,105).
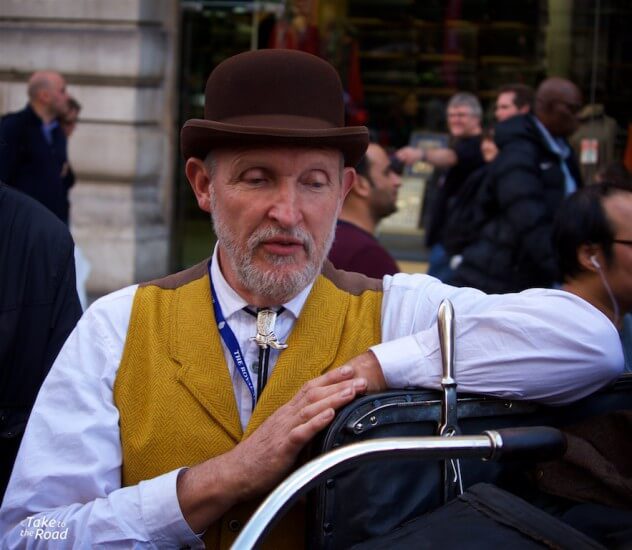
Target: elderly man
(512,100)
(533,172)
(33,149)
(453,165)
(176,404)
(372,197)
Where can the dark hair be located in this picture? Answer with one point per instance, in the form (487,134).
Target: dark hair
(581,219)
(362,168)
(523,94)
(73,104)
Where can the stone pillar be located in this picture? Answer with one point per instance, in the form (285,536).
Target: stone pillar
(559,38)
(118,58)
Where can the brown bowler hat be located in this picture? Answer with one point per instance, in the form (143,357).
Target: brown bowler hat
(273,97)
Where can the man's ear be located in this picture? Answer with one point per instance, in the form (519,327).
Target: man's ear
(348,175)
(200,183)
(586,256)
(359,185)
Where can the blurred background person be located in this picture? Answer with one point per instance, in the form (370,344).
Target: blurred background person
(39,308)
(372,197)
(512,100)
(69,119)
(464,216)
(68,122)
(533,172)
(33,148)
(593,241)
(453,166)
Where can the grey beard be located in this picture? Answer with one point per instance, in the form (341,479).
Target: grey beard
(276,286)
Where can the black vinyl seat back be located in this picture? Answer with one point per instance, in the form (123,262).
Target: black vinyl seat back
(375,498)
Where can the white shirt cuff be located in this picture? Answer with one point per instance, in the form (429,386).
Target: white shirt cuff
(162,514)
(402,362)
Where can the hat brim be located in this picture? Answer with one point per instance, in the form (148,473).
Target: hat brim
(199,136)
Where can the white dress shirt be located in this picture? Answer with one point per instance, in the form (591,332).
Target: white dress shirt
(544,345)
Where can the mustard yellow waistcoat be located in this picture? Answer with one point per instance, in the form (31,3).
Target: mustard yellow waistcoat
(174,392)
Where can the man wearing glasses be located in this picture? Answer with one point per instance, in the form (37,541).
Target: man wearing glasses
(593,239)
(534,171)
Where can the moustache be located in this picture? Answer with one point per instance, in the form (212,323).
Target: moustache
(265,233)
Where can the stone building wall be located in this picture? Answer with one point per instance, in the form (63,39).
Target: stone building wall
(118,57)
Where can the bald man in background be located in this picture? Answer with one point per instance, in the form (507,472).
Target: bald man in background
(33,147)
(533,172)
(372,197)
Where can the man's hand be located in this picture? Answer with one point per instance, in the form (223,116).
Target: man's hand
(409,155)
(260,462)
(366,366)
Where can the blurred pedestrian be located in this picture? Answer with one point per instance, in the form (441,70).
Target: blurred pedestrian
(68,122)
(69,119)
(512,100)
(534,171)
(454,163)
(33,149)
(371,198)
(464,215)
(39,308)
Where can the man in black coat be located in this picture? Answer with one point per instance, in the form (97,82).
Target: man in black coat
(527,182)
(33,149)
(39,307)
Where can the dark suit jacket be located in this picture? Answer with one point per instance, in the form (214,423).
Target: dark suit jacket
(39,307)
(31,164)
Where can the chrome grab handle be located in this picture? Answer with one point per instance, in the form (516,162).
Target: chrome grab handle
(445,323)
(449,423)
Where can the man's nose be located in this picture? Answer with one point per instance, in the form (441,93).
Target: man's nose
(286,209)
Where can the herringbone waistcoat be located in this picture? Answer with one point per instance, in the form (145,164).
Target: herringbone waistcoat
(174,392)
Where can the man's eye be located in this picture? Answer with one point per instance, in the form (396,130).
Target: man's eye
(316,184)
(255,181)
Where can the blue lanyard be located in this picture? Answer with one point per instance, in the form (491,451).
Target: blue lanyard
(231,341)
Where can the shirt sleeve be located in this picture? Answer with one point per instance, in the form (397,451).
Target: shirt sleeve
(79,499)
(543,345)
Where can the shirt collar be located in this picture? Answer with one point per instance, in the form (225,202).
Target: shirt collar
(231,302)
(557,146)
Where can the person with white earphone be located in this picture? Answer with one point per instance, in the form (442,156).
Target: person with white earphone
(593,239)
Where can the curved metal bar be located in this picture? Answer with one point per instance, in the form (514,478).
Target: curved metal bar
(312,473)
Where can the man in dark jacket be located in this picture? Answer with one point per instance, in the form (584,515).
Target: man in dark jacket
(33,153)
(532,174)
(39,308)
